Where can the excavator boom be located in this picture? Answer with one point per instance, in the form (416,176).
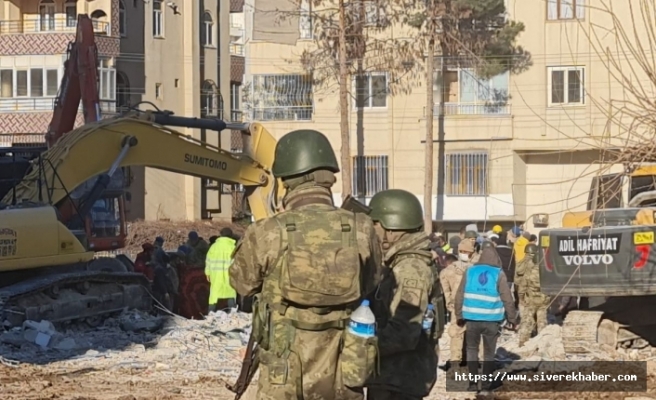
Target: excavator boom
(79,83)
(137,140)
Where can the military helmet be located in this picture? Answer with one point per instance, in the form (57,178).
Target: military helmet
(397,209)
(531,248)
(486,244)
(303,151)
(471,235)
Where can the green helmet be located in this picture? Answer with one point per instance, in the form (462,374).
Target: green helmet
(397,209)
(531,248)
(301,152)
(487,244)
(471,235)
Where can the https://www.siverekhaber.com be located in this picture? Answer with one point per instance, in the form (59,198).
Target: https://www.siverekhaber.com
(600,376)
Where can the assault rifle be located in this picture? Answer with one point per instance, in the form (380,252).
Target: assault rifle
(248,368)
(353,205)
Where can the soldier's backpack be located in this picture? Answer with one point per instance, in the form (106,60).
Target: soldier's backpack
(320,261)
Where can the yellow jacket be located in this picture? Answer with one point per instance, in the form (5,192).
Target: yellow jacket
(520,245)
(216,268)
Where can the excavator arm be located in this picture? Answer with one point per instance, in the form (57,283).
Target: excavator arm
(141,139)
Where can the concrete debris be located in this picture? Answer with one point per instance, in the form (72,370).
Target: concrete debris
(146,356)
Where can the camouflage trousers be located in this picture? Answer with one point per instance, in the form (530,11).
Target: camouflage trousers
(532,314)
(382,394)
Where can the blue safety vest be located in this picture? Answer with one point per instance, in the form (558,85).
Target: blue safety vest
(482,301)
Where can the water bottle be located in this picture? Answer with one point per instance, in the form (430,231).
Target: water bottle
(363,322)
(429,317)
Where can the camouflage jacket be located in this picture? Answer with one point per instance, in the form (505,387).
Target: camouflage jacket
(532,291)
(408,358)
(450,279)
(293,354)
(520,275)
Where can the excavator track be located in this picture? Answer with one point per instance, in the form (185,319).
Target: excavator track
(79,295)
(579,332)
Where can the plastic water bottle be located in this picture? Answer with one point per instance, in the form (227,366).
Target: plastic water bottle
(363,321)
(429,317)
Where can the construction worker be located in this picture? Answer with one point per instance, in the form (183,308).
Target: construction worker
(520,245)
(450,279)
(199,248)
(217,263)
(497,229)
(533,302)
(142,264)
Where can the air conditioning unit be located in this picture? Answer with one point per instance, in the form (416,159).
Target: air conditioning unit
(541,220)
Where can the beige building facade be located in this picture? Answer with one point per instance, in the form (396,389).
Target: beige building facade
(502,161)
(182,56)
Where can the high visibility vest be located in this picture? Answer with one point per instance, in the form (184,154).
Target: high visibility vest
(217,263)
(482,301)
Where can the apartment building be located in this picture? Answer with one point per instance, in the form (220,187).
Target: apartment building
(514,146)
(179,55)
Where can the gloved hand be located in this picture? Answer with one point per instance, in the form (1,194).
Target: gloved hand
(460,322)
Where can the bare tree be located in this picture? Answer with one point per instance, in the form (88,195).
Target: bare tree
(349,41)
(470,33)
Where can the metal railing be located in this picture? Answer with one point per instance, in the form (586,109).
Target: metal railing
(44,104)
(12,139)
(236,116)
(466,173)
(473,109)
(370,175)
(49,25)
(237,49)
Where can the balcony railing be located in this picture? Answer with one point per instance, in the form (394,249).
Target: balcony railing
(42,104)
(236,116)
(237,49)
(473,109)
(49,25)
(22,139)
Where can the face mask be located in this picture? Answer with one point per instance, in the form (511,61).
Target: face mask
(464,257)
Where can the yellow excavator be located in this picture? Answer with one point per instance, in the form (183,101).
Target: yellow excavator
(47,269)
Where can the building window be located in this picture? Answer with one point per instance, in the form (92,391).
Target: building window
(305,20)
(466,174)
(158,91)
(284,97)
(235,103)
(22,89)
(565,9)
(207,30)
(7,83)
(566,85)
(158,19)
(371,90)
(209,99)
(71,13)
(52,82)
(36,83)
(47,15)
(370,175)
(467,94)
(122,19)
(107,81)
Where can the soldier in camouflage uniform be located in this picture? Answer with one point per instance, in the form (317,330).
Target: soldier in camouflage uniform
(408,353)
(534,303)
(450,279)
(308,268)
(520,273)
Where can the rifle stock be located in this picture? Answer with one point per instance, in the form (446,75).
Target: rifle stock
(248,368)
(353,205)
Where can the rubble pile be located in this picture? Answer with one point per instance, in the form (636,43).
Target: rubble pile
(174,232)
(168,350)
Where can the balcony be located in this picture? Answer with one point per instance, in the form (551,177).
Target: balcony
(49,25)
(236,49)
(43,104)
(479,109)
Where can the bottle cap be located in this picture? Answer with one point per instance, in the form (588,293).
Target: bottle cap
(430,307)
(365,303)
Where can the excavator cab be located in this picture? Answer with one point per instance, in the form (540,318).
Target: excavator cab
(105,226)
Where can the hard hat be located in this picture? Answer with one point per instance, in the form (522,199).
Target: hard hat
(397,209)
(471,234)
(497,229)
